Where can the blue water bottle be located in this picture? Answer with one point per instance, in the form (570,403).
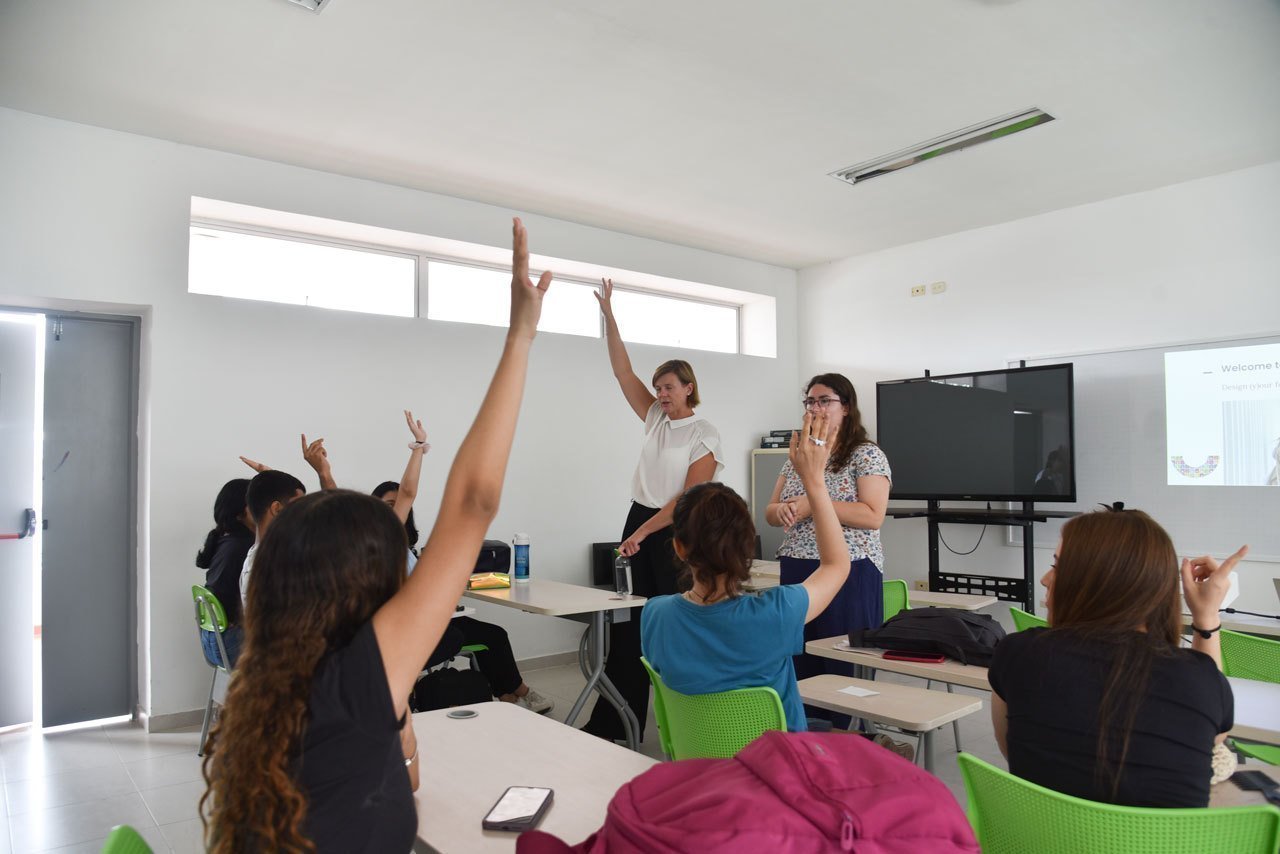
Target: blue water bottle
(521,543)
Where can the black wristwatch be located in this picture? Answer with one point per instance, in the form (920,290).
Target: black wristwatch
(1205,633)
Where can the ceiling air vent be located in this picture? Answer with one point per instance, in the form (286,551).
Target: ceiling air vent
(957,141)
(313,5)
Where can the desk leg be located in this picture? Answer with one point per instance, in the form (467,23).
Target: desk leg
(597,681)
(926,747)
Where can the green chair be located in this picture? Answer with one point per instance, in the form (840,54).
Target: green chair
(470,651)
(1250,657)
(1013,816)
(895,597)
(1023,621)
(712,726)
(125,840)
(1268,753)
(210,617)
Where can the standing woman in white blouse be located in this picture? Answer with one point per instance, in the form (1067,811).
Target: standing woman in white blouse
(680,450)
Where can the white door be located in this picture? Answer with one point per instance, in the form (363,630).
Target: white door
(21,421)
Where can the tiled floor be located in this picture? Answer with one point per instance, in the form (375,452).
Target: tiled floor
(64,792)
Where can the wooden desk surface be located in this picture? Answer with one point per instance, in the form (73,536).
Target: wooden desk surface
(959,601)
(1257,715)
(468,764)
(969,675)
(915,709)
(555,598)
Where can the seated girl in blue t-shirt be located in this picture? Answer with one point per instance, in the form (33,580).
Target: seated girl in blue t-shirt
(713,638)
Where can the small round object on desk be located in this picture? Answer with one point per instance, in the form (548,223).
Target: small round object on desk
(462,714)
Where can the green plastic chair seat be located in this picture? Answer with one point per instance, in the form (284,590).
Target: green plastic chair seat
(475,647)
(895,597)
(712,726)
(125,840)
(1023,621)
(1250,657)
(1013,816)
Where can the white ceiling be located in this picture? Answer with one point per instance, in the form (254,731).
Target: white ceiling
(709,123)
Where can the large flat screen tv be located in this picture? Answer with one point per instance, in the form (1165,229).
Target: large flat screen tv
(989,436)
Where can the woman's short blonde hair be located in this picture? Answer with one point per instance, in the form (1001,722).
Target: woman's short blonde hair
(684,372)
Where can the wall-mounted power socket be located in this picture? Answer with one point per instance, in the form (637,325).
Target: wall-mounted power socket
(937,287)
(918,291)
(921,585)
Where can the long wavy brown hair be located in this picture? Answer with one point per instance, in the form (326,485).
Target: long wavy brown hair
(1116,583)
(852,431)
(326,564)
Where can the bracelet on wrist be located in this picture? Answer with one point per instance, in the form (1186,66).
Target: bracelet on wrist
(423,446)
(413,756)
(1205,633)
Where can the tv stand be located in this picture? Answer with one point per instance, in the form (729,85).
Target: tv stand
(1002,587)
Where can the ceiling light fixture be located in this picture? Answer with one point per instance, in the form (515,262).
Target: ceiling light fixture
(956,141)
(314,5)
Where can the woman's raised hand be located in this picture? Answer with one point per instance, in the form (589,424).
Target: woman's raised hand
(1205,583)
(604,296)
(811,445)
(255,465)
(415,427)
(526,297)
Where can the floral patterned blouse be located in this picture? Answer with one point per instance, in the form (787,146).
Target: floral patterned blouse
(842,485)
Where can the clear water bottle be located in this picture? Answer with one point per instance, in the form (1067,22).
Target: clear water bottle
(521,544)
(621,573)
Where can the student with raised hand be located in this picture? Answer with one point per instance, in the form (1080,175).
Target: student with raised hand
(680,449)
(314,748)
(712,638)
(1104,704)
(222,559)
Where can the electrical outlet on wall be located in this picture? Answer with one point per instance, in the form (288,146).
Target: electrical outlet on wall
(917,291)
(922,585)
(938,287)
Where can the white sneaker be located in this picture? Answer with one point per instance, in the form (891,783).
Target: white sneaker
(535,702)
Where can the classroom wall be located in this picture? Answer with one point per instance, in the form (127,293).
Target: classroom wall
(1187,262)
(99,218)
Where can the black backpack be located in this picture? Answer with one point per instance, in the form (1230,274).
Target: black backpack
(447,687)
(968,637)
(495,556)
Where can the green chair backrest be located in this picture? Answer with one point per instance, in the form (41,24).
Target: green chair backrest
(895,597)
(1250,657)
(209,612)
(712,726)
(1013,816)
(1022,620)
(125,840)
(1268,753)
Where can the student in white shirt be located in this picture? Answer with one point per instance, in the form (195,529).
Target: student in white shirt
(680,450)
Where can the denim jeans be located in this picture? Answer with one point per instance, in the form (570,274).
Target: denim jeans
(232,639)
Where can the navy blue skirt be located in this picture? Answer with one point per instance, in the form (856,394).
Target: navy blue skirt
(858,605)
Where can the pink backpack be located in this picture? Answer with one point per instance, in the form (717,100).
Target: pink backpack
(784,792)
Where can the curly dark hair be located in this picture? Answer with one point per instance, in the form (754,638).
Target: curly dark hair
(713,526)
(852,431)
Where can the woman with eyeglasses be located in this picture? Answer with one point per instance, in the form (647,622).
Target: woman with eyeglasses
(680,450)
(857,480)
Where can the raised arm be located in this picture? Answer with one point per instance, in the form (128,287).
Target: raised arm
(810,450)
(633,388)
(1204,585)
(318,458)
(408,491)
(410,624)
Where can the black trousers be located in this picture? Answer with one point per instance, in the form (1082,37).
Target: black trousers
(498,663)
(653,573)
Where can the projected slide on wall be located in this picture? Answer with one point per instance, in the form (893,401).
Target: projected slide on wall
(1222,412)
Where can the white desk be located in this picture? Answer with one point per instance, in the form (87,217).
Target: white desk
(913,710)
(468,764)
(1257,710)
(557,599)
(1243,623)
(952,672)
(959,601)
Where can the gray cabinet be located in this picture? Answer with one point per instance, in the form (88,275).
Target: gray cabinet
(766,465)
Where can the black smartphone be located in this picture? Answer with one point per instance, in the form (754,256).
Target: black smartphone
(520,808)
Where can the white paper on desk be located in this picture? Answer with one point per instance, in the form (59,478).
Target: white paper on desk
(855,691)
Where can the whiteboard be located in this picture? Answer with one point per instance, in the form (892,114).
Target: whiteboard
(1121,455)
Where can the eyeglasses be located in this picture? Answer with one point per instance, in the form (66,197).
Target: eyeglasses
(818,402)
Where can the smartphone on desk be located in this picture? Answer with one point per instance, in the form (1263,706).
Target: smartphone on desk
(520,808)
(908,655)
